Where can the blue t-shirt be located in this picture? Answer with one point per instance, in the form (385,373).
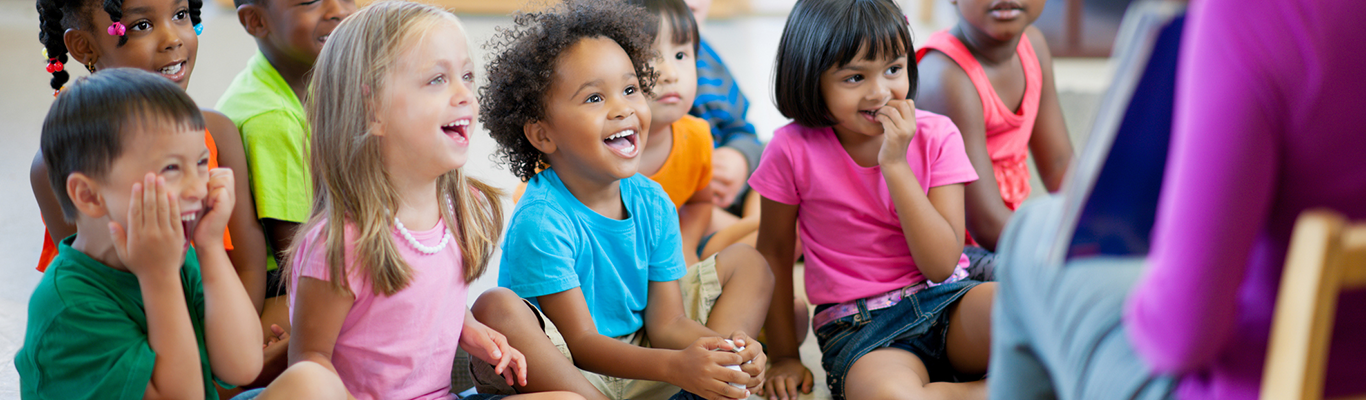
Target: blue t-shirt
(555,243)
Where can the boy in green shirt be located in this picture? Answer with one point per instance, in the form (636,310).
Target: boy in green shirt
(127,309)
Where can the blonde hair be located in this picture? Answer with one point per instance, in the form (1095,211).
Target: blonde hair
(350,184)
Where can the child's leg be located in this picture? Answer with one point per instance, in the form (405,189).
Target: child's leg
(547,369)
(546,396)
(893,373)
(969,335)
(305,380)
(746,289)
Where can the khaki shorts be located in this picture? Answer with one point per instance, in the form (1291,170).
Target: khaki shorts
(701,287)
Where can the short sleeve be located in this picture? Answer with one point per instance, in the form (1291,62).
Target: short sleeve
(277,153)
(951,164)
(666,252)
(93,351)
(540,251)
(774,178)
(311,261)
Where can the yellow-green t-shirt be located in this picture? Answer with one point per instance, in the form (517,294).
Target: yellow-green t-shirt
(275,136)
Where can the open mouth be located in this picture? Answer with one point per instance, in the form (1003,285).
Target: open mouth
(189,221)
(459,130)
(323,39)
(871,115)
(624,143)
(173,71)
(1007,10)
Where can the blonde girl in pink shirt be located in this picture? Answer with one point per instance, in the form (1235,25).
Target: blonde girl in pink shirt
(379,273)
(874,189)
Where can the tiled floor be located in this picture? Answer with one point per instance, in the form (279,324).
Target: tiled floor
(224,49)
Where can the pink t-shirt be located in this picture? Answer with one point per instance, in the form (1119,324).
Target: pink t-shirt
(851,235)
(400,346)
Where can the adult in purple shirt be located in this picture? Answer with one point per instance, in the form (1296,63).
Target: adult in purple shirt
(1267,125)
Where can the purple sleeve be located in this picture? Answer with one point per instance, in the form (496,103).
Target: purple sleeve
(1217,192)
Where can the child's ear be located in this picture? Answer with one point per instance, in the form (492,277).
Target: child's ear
(78,43)
(84,192)
(253,19)
(539,136)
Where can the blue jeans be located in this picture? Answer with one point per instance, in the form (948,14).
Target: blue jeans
(917,324)
(1056,329)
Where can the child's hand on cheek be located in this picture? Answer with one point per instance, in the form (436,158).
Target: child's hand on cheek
(153,244)
(219,203)
(898,128)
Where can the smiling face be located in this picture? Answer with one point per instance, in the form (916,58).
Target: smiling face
(299,28)
(1000,19)
(161,39)
(677,84)
(428,103)
(596,114)
(854,92)
(171,151)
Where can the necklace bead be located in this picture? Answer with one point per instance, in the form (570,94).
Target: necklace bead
(421,248)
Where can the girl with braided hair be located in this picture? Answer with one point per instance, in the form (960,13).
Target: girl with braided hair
(160,36)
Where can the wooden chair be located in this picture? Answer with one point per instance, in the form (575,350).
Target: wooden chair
(1326,256)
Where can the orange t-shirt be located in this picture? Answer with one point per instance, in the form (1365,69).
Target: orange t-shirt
(687,170)
(50,248)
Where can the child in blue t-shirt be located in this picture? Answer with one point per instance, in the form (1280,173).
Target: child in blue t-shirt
(594,246)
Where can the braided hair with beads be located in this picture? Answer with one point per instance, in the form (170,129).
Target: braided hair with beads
(56,16)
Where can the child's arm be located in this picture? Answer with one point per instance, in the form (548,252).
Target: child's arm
(232,331)
(492,347)
(319,311)
(946,89)
(1049,143)
(151,247)
(777,242)
(706,376)
(933,224)
(51,210)
(249,244)
(693,219)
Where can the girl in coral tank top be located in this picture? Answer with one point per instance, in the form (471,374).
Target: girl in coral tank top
(992,74)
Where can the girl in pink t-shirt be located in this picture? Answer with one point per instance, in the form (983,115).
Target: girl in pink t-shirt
(875,190)
(391,103)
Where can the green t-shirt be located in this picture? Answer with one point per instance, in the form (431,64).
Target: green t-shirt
(275,136)
(87,331)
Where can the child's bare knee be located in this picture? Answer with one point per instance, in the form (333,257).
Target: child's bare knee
(743,260)
(497,303)
(307,380)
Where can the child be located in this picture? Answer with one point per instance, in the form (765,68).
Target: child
(593,245)
(264,103)
(128,309)
(992,74)
(876,189)
(720,102)
(158,36)
(383,306)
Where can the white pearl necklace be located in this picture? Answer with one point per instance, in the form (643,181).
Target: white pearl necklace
(421,248)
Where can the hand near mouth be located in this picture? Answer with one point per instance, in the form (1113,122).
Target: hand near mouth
(219,204)
(153,243)
(898,128)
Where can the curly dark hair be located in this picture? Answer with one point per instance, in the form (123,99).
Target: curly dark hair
(524,60)
(56,16)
